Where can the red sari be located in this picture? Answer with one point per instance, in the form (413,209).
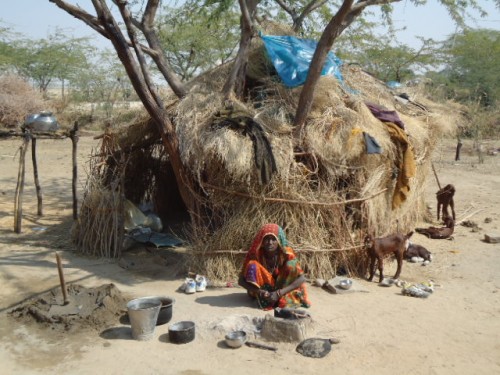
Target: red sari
(255,270)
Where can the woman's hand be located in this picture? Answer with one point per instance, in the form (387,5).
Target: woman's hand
(271,297)
(264,294)
(274,297)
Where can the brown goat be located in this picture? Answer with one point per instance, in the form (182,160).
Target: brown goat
(439,233)
(444,198)
(379,248)
(415,250)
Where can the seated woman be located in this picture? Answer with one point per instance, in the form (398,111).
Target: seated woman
(271,273)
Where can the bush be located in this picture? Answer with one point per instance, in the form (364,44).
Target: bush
(17,100)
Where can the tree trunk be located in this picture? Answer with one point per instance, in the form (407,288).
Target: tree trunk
(344,17)
(236,79)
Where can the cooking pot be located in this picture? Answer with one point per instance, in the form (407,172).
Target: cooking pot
(181,332)
(165,310)
(41,122)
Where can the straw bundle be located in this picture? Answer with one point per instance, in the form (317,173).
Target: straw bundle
(326,196)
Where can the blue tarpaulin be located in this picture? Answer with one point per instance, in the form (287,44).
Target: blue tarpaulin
(147,236)
(292,57)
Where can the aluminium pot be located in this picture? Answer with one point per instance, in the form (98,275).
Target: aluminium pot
(181,332)
(43,121)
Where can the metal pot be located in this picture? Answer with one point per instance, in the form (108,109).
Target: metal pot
(165,310)
(181,332)
(41,122)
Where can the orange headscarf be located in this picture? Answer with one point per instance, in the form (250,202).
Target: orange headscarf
(255,251)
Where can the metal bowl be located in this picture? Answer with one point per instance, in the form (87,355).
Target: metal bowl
(181,332)
(345,284)
(236,339)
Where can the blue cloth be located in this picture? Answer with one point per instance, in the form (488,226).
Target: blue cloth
(372,146)
(292,58)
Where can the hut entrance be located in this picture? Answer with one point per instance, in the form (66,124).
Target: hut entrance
(131,193)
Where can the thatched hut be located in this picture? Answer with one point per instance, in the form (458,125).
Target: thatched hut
(242,155)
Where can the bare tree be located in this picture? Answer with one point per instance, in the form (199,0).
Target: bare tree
(132,52)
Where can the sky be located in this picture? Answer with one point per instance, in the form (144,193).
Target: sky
(36,19)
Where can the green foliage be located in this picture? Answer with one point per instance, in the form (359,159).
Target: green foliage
(391,61)
(197,39)
(44,60)
(472,71)
(102,81)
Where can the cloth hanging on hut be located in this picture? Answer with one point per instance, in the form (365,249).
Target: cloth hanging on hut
(372,146)
(405,164)
(385,115)
(263,152)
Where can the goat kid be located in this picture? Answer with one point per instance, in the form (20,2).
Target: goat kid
(415,250)
(444,198)
(439,233)
(380,248)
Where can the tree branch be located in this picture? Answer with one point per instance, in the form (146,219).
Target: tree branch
(311,7)
(234,82)
(147,28)
(127,18)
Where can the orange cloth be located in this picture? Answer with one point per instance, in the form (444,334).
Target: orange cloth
(286,272)
(405,163)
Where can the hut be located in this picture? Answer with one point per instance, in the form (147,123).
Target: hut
(360,172)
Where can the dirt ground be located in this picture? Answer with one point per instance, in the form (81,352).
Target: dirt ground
(454,331)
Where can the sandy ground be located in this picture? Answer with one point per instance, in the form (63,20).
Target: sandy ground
(455,331)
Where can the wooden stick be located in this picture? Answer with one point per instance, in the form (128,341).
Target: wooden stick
(435,175)
(61,279)
(18,201)
(468,216)
(74,135)
(35,177)
(39,135)
(260,346)
(297,250)
(283,200)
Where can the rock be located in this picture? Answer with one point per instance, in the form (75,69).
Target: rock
(387,282)
(492,238)
(330,288)
(284,330)
(319,282)
(314,348)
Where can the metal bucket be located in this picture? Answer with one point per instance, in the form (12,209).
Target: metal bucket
(143,314)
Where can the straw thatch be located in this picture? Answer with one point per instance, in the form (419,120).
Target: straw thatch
(327,195)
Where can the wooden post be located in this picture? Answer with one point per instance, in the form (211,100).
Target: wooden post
(73,134)
(18,202)
(457,154)
(61,279)
(35,176)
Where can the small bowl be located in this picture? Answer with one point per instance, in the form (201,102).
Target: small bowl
(236,339)
(345,284)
